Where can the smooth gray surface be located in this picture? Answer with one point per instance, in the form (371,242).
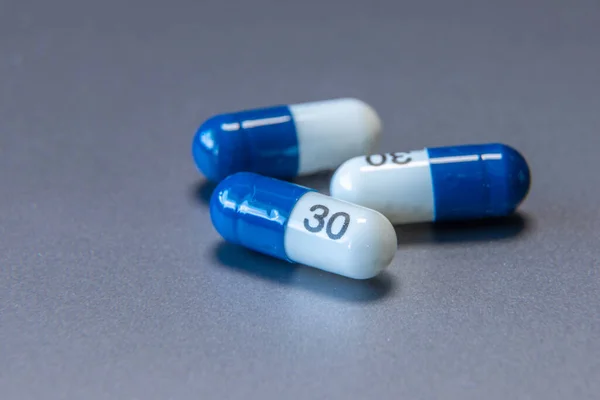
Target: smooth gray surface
(113,284)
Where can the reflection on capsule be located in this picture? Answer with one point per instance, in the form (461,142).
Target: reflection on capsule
(286,141)
(297,224)
(436,184)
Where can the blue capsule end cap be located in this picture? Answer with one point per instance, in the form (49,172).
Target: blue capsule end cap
(478,181)
(517,177)
(224,203)
(263,141)
(217,153)
(252,210)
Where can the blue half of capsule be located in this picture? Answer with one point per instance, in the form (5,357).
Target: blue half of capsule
(252,210)
(476,181)
(263,141)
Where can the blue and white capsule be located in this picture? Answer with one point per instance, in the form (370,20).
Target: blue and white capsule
(286,141)
(297,224)
(436,184)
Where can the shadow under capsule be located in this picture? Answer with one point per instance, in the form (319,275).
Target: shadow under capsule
(200,192)
(313,280)
(481,230)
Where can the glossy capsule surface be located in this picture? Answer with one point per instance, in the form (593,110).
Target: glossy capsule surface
(297,224)
(436,184)
(285,141)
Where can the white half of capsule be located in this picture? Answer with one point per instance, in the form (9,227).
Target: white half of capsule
(364,242)
(332,131)
(400,188)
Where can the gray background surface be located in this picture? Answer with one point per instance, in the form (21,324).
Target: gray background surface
(114,285)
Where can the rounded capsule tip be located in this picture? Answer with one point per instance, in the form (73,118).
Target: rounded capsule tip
(378,244)
(216,148)
(367,120)
(343,182)
(224,203)
(372,120)
(518,176)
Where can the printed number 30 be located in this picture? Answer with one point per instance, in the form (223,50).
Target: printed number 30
(320,217)
(397,158)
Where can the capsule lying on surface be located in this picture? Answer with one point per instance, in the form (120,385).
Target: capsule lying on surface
(436,184)
(297,224)
(286,141)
